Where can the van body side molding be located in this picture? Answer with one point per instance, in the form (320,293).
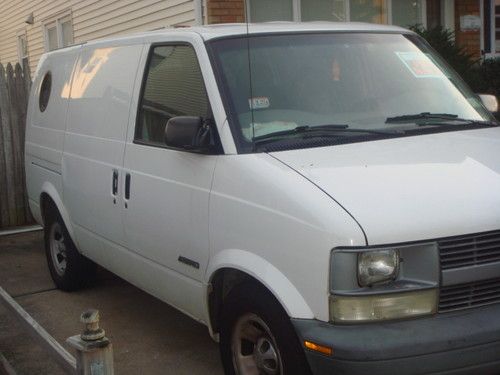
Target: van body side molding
(189,262)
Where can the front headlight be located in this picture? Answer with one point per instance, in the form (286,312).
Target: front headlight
(350,309)
(384,283)
(375,267)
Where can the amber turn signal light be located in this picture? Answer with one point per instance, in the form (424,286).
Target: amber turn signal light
(318,348)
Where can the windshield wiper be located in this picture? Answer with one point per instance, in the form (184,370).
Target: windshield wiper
(421,116)
(434,119)
(299,129)
(321,130)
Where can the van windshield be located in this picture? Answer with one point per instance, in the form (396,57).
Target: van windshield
(352,86)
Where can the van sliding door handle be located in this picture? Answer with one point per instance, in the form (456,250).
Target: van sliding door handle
(127,186)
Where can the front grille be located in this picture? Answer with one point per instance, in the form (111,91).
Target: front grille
(469,250)
(466,296)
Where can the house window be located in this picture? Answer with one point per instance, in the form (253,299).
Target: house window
(496,23)
(407,12)
(398,12)
(435,13)
(51,37)
(323,10)
(67,32)
(275,10)
(58,33)
(22,47)
(374,11)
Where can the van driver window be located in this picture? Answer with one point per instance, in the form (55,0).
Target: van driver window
(174,87)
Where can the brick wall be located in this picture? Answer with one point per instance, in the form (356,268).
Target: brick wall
(471,40)
(225,11)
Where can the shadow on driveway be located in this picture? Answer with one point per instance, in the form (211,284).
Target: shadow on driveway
(148,336)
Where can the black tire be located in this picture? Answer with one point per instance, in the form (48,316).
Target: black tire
(250,300)
(69,269)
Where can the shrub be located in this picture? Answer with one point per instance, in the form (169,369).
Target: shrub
(487,77)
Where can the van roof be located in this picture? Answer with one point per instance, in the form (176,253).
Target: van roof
(208,32)
(222,30)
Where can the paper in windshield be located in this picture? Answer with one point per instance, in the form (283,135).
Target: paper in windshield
(420,65)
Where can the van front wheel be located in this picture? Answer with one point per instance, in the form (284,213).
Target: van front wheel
(256,335)
(69,269)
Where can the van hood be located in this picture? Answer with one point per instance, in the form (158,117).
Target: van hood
(411,188)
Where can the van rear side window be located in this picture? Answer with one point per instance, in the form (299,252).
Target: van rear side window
(45,89)
(173,87)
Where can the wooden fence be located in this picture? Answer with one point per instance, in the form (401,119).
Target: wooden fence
(15,83)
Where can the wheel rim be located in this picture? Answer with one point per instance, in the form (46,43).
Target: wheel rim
(254,347)
(58,249)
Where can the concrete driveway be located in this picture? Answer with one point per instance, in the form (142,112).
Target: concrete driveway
(148,336)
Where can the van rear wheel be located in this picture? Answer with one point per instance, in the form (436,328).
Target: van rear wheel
(256,335)
(69,269)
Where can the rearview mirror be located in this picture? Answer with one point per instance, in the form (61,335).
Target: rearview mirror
(187,132)
(489,101)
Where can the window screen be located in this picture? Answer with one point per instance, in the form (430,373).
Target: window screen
(323,10)
(22,48)
(174,87)
(406,13)
(67,32)
(496,25)
(374,11)
(52,38)
(275,10)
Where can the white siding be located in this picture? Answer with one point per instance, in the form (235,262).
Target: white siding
(92,19)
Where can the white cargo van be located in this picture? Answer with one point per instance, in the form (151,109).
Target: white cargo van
(324,197)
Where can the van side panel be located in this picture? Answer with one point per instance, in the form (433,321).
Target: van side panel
(104,96)
(98,117)
(45,130)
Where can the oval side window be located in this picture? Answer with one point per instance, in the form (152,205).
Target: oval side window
(45,92)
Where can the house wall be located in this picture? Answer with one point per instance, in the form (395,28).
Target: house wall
(92,19)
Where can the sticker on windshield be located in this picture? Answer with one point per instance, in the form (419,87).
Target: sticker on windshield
(420,65)
(262,128)
(259,102)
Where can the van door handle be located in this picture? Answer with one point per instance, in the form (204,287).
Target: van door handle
(127,186)
(114,184)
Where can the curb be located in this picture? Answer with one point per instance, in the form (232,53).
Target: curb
(5,366)
(31,228)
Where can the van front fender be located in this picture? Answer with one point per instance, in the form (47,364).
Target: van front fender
(267,274)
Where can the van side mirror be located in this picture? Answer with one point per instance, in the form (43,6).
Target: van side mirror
(490,102)
(188,132)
